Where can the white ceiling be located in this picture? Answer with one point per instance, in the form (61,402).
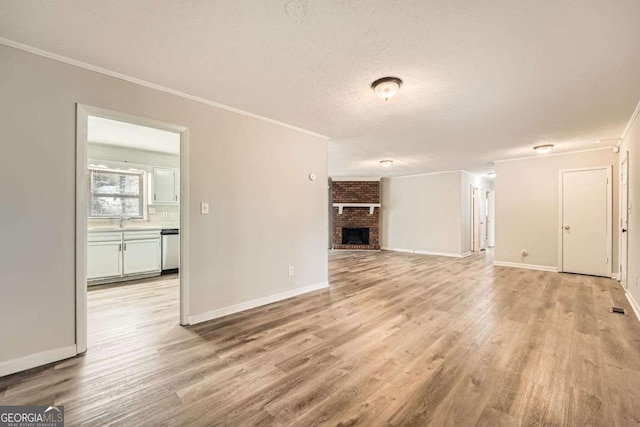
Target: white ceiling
(484,80)
(122,134)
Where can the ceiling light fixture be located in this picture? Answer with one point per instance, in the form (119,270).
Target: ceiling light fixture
(543,149)
(386,87)
(386,163)
(491,174)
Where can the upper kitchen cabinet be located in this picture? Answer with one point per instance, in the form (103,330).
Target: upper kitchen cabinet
(165,186)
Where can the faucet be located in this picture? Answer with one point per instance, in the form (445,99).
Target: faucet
(123,219)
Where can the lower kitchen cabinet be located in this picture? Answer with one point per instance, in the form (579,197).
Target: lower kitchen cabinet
(141,256)
(116,256)
(104,259)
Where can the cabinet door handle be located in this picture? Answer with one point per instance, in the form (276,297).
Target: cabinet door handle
(120,247)
(125,246)
(154,196)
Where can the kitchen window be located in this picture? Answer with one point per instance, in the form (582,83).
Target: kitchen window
(114,193)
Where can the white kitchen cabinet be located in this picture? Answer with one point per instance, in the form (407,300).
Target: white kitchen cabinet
(104,255)
(104,260)
(141,256)
(117,255)
(165,186)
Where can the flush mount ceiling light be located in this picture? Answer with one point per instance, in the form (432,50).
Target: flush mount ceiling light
(386,87)
(491,174)
(386,163)
(543,149)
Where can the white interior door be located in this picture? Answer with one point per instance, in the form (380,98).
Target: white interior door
(624,219)
(482,216)
(585,221)
(475,220)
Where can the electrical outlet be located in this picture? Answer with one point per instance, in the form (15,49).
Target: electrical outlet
(152,211)
(524,252)
(165,214)
(291,270)
(204,208)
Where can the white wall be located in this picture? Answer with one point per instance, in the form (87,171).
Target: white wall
(131,155)
(422,213)
(527,205)
(631,143)
(265,213)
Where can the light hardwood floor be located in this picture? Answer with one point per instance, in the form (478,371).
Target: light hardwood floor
(399,339)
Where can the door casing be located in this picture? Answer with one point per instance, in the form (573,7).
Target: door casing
(624,222)
(82,114)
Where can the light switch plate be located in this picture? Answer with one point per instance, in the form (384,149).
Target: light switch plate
(204,208)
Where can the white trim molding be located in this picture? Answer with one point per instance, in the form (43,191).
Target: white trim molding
(82,113)
(550,268)
(634,304)
(627,128)
(33,360)
(130,79)
(419,252)
(426,173)
(564,153)
(247,305)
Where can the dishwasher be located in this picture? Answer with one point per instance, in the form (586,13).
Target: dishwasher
(170,250)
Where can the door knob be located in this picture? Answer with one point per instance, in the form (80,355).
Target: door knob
(566,227)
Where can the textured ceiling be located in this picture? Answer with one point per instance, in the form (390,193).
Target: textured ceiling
(484,80)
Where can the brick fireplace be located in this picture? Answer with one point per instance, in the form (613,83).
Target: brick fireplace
(356,227)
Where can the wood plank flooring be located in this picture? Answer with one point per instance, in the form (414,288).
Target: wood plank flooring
(398,339)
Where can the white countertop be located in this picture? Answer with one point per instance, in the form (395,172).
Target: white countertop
(106,229)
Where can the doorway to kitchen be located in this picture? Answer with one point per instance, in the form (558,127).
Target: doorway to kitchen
(131,220)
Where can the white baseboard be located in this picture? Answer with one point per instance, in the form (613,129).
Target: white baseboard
(354,250)
(236,308)
(526,266)
(38,359)
(634,305)
(466,254)
(615,276)
(414,251)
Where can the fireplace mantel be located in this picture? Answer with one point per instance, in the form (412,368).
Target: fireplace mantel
(341,206)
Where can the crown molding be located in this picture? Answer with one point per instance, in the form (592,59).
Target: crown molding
(542,156)
(110,73)
(633,118)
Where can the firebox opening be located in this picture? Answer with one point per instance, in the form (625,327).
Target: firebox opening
(355,236)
